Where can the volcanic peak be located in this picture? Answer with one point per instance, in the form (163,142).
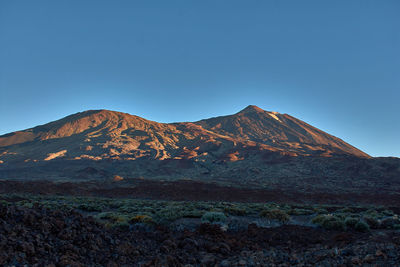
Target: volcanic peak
(251,108)
(103,132)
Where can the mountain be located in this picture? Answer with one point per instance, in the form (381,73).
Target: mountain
(101,134)
(253,147)
(280,131)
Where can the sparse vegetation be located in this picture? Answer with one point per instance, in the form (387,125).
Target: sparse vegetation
(142,219)
(372,222)
(297,211)
(213,217)
(390,222)
(330,222)
(351,222)
(124,212)
(275,214)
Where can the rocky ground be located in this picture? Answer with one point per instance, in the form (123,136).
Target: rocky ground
(41,237)
(195,191)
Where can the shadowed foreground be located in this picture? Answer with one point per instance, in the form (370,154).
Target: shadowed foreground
(195,191)
(42,237)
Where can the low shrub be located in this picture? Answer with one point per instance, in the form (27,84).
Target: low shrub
(387,213)
(213,217)
(168,215)
(275,214)
(124,226)
(142,218)
(105,215)
(389,222)
(329,222)
(26,204)
(115,204)
(193,214)
(372,213)
(4,202)
(345,210)
(334,224)
(301,212)
(112,218)
(127,209)
(235,211)
(362,226)
(90,207)
(320,210)
(319,219)
(351,222)
(372,222)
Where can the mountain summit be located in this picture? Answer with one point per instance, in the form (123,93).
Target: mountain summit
(251,108)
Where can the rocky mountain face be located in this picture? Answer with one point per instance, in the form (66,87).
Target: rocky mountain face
(103,134)
(280,131)
(250,147)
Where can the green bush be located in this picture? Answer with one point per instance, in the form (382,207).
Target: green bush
(193,214)
(351,222)
(387,213)
(4,202)
(362,226)
(275,214)
(372,222)
(345,210)
(334,224)
(320,210)
(126,209)
(104,215)
(123,225)
(27,204)
(389,222)
(319,219)
(297,211)
(112,218)
(235,211)
(142,218)
(168,215)
(90,207)
(213,217)
(329,222)
(372,213)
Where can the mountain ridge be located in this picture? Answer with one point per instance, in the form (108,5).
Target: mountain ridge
(251,126)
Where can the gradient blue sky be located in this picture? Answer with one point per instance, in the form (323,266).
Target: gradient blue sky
(334,64)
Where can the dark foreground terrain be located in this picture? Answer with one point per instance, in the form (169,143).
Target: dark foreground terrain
(57,228)
(41,237)
(187,223)
(186,190)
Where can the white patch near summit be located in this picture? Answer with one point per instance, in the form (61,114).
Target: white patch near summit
(273,115)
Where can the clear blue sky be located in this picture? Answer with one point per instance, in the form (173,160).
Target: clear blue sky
(334,64)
